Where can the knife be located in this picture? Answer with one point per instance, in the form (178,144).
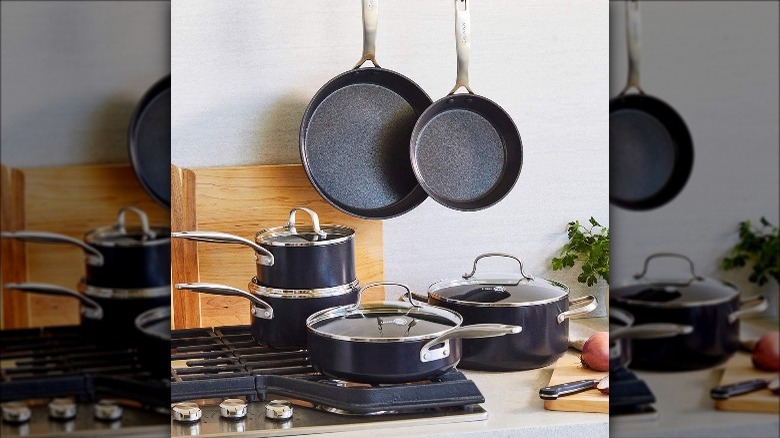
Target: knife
(555,391)
(727,391)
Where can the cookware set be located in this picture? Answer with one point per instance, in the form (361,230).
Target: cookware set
(127,273)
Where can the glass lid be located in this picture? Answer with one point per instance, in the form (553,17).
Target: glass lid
(692,291)
(508,290)
(386,321)
(314,235)
(121,235)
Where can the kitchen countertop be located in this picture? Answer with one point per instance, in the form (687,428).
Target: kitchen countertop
(514,409)
(686,409)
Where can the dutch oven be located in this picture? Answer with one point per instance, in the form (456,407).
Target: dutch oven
(279,315)
(540,306)
(119,256)
(154,330)
(712,308)
(296,257)
(390,342)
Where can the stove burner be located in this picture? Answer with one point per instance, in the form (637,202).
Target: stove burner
(280,410)
(186,412)
(108,410)
(15,412)
(62,409)
(233,409)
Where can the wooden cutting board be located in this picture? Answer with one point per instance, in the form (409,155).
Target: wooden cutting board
(740,368)
(241,201)
(569,369)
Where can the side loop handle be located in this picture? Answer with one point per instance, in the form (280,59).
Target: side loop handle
(462,45)
(120,221)
(633,29)
(693,278)
(370,21)
(315,221)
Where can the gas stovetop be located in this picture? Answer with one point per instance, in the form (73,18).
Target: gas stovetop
(56,380)
(209,366)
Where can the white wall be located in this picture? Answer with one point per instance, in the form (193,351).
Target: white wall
(72,72)
(245,71)
(717,64)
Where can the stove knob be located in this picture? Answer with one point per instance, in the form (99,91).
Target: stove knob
(186,412)
(15,412)
(278,410)
(233,408)
(108,410)
(62,409)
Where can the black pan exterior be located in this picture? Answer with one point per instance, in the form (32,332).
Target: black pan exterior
(364,172)
(132,267)
(309,267)
(117,327)
(542,341)
(149,141)
(452,134)
(377,362)
(287,329)
(713,340)
(678,163)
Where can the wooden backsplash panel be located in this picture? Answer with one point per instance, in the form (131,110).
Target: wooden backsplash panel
(241,201)
(70,200)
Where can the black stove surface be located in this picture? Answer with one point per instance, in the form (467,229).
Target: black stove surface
(629,397)
(227,362)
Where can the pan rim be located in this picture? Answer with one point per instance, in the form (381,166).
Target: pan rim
(412,199)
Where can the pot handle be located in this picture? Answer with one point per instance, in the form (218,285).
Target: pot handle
(315,221)
(370,20)
(499,254)
(650,331)
(260,308)
(462,44)
(407,294)
(262,255)
(693,278)
(466,332)
(91,254)
(120,221)
(587,308)
(760,305)
(90,308)
(152,315)
(633,28)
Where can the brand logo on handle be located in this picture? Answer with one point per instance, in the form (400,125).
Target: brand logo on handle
(464,33)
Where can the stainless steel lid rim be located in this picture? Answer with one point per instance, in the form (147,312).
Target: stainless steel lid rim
(294,294)
(121,293)
(98,237)
(266,236)
(445,284)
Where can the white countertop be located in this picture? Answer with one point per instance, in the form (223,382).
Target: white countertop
(514,410)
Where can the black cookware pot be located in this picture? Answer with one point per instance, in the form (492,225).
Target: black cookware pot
(390,342)
(107,314)
(118,256)
(540,306)
(713,308)
(279,315)
(622,330)
(296,257)
(154,331)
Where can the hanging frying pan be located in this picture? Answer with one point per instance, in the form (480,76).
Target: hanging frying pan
(355,133)
(465,149)
(149,141)
(650,148)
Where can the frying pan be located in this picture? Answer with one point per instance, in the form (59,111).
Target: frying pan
(465,149)
(355,133)
(650,148)
(149,141)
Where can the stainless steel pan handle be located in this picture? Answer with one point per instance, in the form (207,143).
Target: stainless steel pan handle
(462,44)
(89,309)
(633,29)
(370,21)
(315,221)
(120,221)
(262,255)
(650,331)
(759,304)
(91,254)
(576,311)
(260,308)
(693,278)
(467,332)
(499,254)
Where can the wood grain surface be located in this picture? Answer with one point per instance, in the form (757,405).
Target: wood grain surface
(241,201)
(738,369)
(68,200)
(569,369)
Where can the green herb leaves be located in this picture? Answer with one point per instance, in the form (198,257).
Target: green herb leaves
(759,245)
(589,246)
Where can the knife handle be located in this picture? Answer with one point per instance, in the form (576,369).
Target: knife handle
(555,391)
(739,388)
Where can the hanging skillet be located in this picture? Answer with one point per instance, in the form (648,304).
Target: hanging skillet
(355,133)
(650,148)
(465,149)
(149,141)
